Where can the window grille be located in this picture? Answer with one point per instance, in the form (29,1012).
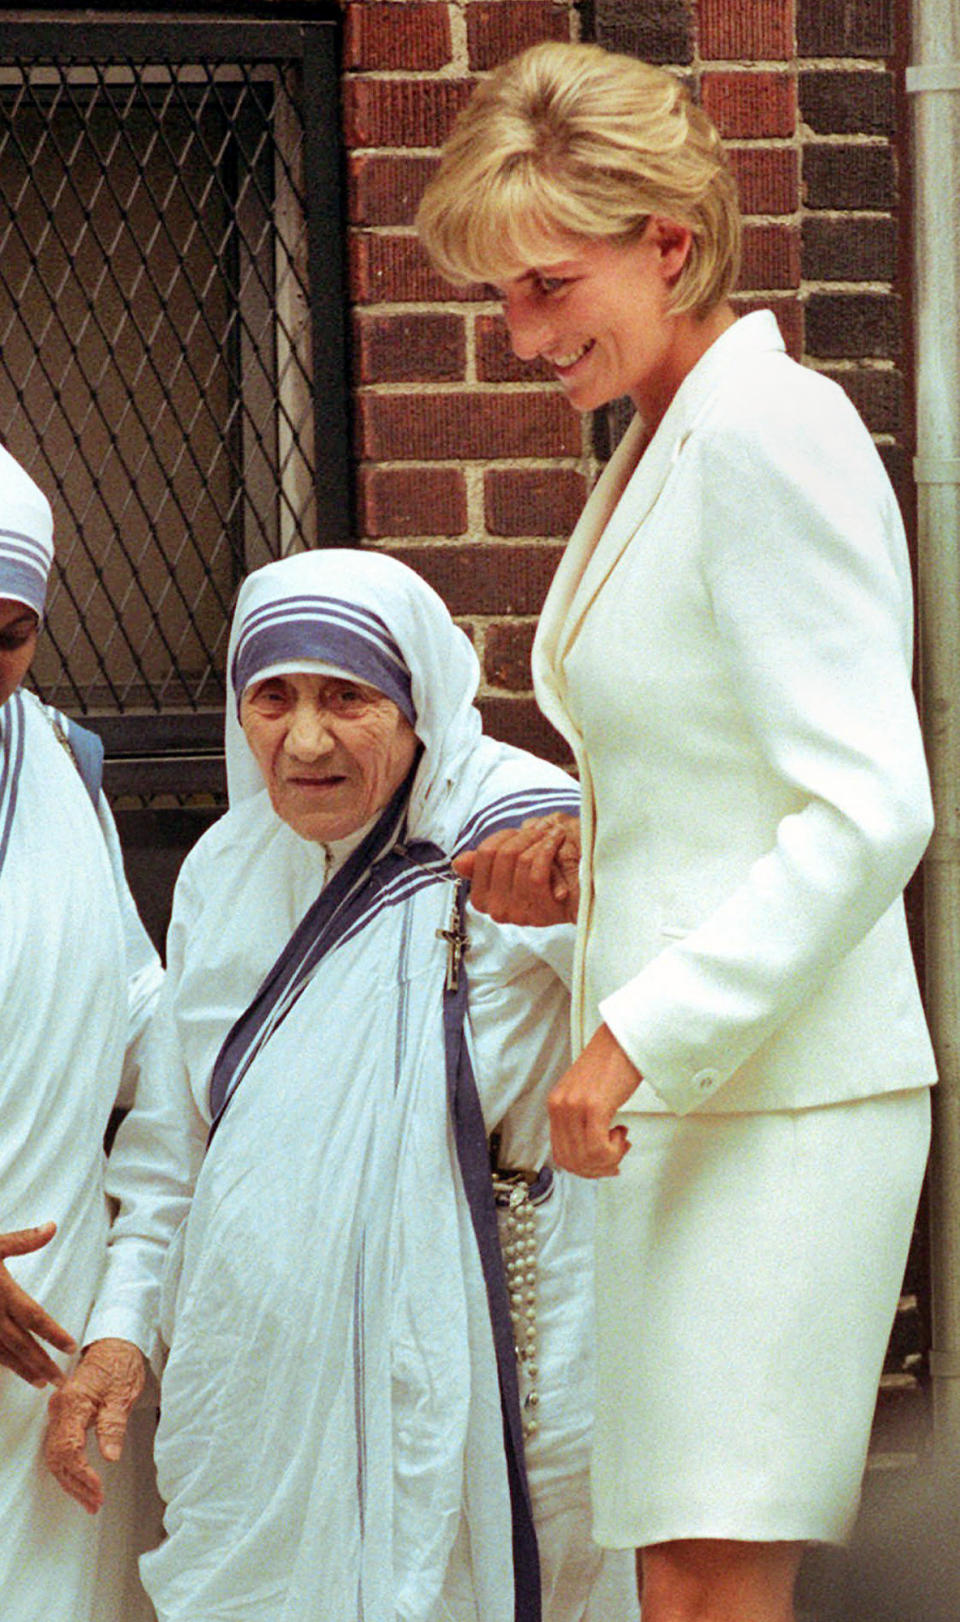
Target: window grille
(171,312)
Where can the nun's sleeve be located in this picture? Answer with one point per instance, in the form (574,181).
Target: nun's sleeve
(153,1166)
(144,970)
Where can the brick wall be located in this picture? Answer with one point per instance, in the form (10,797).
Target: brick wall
(470,465)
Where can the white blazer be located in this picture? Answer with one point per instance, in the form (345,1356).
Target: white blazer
(727,648)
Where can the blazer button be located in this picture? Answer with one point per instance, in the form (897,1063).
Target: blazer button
(706,1080)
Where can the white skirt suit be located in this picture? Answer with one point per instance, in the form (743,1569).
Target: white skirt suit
(727,648)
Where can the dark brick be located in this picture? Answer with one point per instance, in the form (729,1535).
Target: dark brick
(848,176)
(402,112)
(533,501)
(746,30)
(768,179)
(899,1423)
(853,324)
(445,427)
(409,347)
(878,396)
(518,721)
(411,501)
(476,579)
(899,466)
(496,361)
(411,36)
(837,101)
(907,1339)
(789,314)
(498,29)
(657,31)
(851,250)
(844,27)
(506,655)
(386,190)
(609,424)
(750,104)
(395,269)
(771,257)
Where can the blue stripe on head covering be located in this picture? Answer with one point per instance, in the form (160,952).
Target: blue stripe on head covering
(24,566)
(330,630)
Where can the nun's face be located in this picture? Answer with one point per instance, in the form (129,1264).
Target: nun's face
(18,642)
(332,752)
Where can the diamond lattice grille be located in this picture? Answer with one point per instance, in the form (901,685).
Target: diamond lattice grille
(155,369)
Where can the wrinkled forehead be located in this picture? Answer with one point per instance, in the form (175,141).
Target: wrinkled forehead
(324,635)
(26,536)
(26,554)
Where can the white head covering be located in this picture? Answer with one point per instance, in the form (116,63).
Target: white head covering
(26,536)
(373,619)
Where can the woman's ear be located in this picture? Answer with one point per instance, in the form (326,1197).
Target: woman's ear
(673,241)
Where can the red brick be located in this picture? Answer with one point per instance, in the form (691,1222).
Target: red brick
(771,257)
(533,501)
(506,656)
(395,269)
(402,112)
(496,361)
(386,190)
(745,30)
(443,427)
(518,721)
(409,347)
(751,104)
(789,314)
(493,579)
(498,29)
(411,501)
(768,179)
(405,35)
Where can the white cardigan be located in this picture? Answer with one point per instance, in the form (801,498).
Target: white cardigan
(727,648)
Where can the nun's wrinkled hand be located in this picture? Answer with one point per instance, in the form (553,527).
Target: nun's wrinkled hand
(22,1318)
(100,1393)
(527,875)
(582,1106)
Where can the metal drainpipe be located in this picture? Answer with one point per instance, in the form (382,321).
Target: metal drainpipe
(934,85)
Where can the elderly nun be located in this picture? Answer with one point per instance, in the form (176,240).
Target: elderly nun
(364,1411)
(77,979)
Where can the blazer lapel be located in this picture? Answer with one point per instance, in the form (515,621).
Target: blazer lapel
(620,502)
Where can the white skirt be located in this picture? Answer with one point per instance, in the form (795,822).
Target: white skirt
(748,1272)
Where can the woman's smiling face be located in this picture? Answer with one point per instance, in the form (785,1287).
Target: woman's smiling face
(598,313)
(18,641)
(332,752)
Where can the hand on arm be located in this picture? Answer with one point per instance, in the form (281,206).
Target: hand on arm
(22,1318)
(100,1393)
(582,1106)
(527,875)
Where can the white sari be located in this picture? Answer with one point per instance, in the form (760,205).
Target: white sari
(77,979)
(332,1445)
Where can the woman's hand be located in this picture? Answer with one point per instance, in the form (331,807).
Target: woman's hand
(527,875)
(21,1318)
(100,1392)
(583,1104)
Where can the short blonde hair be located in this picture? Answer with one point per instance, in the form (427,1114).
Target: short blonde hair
(576,140)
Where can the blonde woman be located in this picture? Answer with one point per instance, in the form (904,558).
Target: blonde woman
(727,649)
